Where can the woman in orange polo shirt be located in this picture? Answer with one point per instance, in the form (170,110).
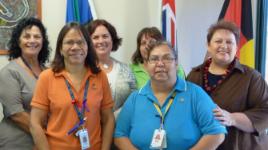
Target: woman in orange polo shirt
(74,96)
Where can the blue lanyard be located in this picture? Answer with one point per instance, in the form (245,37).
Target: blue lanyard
(29,67)
(79,113)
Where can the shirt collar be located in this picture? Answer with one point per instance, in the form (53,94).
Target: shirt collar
(180,86)
(63,73)
(237,66)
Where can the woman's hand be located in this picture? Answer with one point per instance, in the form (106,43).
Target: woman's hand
(236,119)
(224,116)
(38,118)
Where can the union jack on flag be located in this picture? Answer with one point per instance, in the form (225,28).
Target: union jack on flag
(169,29)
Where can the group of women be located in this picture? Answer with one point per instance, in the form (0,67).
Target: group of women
(87,99)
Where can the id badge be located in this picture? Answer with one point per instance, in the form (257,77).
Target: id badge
(159,139)
(83,138)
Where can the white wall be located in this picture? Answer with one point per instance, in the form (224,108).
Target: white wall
(129,16)
(193,19)
(3,61)
(53,17)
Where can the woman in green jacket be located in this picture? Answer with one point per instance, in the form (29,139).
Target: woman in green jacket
(144,37)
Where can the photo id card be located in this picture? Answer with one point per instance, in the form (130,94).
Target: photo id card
(83,138)
(159,139)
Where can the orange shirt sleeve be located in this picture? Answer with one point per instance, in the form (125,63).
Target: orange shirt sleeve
(40,97)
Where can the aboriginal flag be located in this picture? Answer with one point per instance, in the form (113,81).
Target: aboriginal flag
(240,12)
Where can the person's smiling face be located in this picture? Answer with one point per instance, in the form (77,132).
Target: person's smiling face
(31,41)
(102,41)
(161,64)
(222,47)
(74,48)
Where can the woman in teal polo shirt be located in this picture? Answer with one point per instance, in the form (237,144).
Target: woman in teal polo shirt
(144,37)
(168,112)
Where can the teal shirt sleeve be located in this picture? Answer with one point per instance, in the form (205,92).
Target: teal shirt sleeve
(204,113)
(123,122)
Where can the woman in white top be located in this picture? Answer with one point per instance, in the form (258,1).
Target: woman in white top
(120,76)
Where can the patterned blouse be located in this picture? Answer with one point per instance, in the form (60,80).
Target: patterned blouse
(122,83)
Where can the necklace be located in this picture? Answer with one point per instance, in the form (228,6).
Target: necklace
(208,87)
(105,66)
(29,67)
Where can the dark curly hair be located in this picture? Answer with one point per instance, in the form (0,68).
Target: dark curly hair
(152,32)
(91,27)
(91,58)
(14,42)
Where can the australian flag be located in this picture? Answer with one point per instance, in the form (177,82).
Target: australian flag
(169,29)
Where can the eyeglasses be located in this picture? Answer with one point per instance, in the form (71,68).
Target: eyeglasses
(166,59)
(72,42)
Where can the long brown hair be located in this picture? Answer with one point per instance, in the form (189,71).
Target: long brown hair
(91,58)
